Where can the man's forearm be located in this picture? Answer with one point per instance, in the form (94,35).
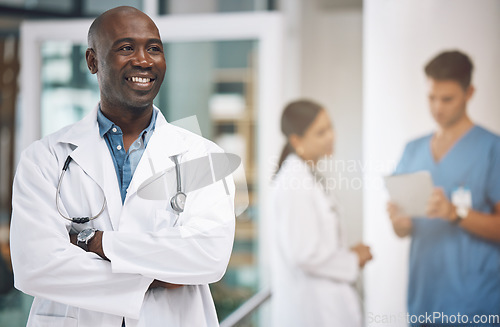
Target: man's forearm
(486,226)
(95,245)
(158,283)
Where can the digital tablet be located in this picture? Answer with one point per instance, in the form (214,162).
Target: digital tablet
(410,192)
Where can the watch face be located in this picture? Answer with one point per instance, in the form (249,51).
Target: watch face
(178,202)
(85,234)
(462,212)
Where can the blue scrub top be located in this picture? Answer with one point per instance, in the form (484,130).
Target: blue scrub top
(451,270)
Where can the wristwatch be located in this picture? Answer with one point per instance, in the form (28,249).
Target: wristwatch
(84,238)
(461,213)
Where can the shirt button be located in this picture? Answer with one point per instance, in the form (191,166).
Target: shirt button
(119,147)
(114,129)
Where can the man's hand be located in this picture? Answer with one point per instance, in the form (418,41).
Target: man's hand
(363,253)
(94,245)
(73,239)
(158,283)
(440,207)
(401,223)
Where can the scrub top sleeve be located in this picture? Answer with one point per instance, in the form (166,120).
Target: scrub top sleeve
(493,187)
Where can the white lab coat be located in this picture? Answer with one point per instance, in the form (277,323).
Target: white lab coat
(312,270)
(76,288)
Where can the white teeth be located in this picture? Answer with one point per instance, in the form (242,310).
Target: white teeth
(140,79)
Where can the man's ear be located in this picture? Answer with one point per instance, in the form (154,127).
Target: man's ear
(470,92)
(91,58)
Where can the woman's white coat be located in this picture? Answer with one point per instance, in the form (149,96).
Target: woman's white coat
(312,270)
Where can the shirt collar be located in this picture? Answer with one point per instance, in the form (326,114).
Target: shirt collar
(105,125)
(147,131)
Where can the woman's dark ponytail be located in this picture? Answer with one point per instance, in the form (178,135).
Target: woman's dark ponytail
(287,149)
(296,119)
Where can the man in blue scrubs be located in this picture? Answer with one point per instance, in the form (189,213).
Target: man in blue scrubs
(455,251)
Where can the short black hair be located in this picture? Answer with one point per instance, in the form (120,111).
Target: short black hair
(451,65)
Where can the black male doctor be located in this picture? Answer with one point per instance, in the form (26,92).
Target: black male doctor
(140,263)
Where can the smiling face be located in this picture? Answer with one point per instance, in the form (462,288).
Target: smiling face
(127,55)
(448,101)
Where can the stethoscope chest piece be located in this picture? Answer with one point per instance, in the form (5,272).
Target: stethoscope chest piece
(178,201)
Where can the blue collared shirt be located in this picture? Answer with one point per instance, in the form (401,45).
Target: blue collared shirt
(125,161)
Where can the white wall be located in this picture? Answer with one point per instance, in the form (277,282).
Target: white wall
(399,38)
(330,73)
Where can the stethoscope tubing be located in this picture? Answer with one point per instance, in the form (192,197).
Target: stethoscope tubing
(77,220)
(82,220)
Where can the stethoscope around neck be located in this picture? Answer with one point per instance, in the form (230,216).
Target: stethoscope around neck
(177,202)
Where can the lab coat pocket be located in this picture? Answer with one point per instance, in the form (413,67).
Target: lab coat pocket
(53,321)
(164,219)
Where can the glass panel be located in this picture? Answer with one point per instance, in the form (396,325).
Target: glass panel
(85,8)
(212,6)
(69,91)
(214,81)
(55,6)
(14,308)
(96,7)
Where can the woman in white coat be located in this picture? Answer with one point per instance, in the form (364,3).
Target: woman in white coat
(312,270)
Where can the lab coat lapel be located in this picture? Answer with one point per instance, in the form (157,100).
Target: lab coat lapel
(92,155)
(165,142)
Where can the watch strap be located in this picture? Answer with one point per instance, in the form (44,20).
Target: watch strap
(460,214)
(83,245)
